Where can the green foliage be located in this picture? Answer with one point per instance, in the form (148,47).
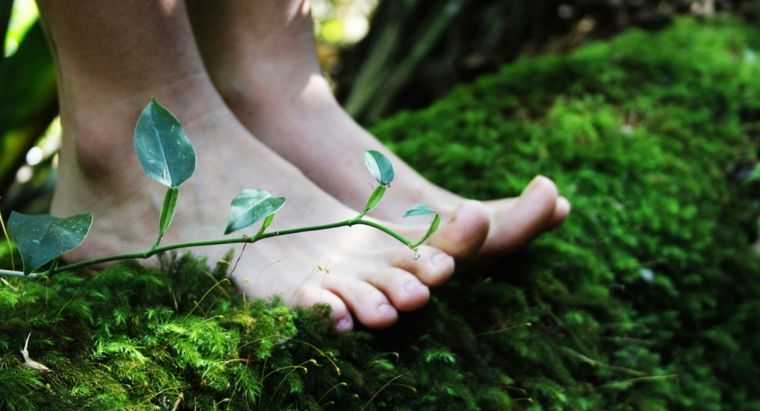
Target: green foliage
(642,299)
(424,209)
(249,207)
(29,89)
(5,17)
(379,166)
(375,197)
(647,298)
(165,153)
(419,209)
(166,156)
(43,238)
(168,207)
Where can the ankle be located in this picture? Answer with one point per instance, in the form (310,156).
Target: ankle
(278,96)
(99,126)
(256,48)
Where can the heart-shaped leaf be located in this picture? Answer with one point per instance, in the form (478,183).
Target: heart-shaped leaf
(42,238)
(379,166)
(251,206)
(165,153)
(419,209)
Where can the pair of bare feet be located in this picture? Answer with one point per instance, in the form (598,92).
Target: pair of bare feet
(243,69)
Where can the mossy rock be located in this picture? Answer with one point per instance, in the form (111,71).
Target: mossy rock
(647,298)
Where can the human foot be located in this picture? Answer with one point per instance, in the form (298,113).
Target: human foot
(325,135)
(109,64)
(261,57)
(354,270)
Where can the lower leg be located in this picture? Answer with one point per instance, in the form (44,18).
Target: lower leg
(111,59)
(109,65)
(261,56)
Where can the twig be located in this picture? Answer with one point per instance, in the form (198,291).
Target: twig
(176,403)
(9,285)
(8,241)
(30,362)
(380,390)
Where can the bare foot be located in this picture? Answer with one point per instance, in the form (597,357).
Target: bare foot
(355,270)
(111,58)
(261,57)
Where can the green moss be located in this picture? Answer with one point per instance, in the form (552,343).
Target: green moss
(647,298)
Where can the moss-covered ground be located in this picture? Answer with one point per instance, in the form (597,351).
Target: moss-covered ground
(647,298)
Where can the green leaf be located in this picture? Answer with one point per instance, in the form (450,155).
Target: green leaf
(379,166)
(264,225)
(167,212)
(165,153)
(42,238)
(419,209)
(267,222)
(251,206)
(424,209)
(432,229)
(375,198)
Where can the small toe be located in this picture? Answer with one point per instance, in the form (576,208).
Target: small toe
(432,266)
(405,291)
(310,296)
(370,306)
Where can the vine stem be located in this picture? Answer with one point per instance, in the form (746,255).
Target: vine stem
(8,241)
(236,240)
(12,273)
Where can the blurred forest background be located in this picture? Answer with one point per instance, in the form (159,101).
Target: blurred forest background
(382,57)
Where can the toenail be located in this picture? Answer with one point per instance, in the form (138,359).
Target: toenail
(534,183)
(563,205)
(385,308)
(441,259)
(412,286)
(343,325)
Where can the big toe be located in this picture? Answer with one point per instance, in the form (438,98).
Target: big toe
(464,231)
(538,208)
(561,211)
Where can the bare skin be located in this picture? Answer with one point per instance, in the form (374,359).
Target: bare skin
(260,55)
(111,59)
